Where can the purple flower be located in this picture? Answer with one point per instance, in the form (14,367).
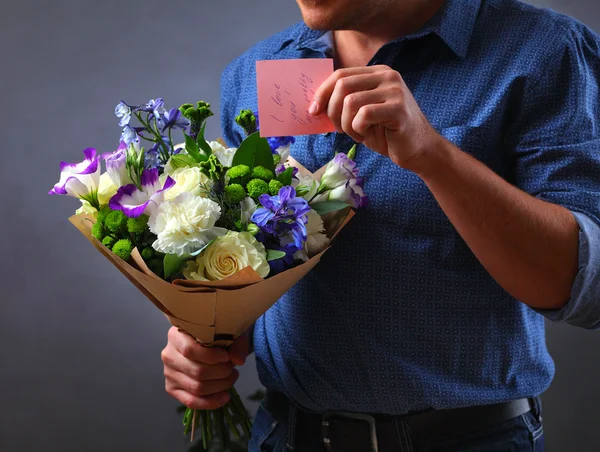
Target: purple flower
(156,108)
(135,202)
(172,119)
(339,171)
(116,165)
(351,192)
(283,219)
(80,180)
(123,111)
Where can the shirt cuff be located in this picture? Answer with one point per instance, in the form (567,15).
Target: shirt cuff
(583,309)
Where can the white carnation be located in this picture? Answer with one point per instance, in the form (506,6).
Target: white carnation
(316,240)
(185,224)
(228,255)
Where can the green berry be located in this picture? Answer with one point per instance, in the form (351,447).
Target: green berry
(260,172)
(147,253)
(235,193)
(98,231)
(123,249)
(257,187)
(137,225)
(116,221)
(108,241)
(274,187)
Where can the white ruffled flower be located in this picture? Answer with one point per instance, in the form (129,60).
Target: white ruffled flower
(228,255)
(225,155)
(185,224)
(316,240)
(187,180)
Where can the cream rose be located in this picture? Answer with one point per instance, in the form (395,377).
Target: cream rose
(106,190)
(187,180)
(227,255)
(185,224)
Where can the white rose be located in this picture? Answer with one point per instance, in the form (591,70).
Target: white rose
(225,155)
(168,169)
(226,256)
(185,224)
(187,180)
(106,190)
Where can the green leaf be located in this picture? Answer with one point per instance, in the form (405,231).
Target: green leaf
(328,206)
(273,255)
(181,161)
(192,149)
(254,151)
(286,177)
(202,143)
(173,264)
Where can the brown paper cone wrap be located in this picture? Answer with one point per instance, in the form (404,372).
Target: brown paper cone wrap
(214,312)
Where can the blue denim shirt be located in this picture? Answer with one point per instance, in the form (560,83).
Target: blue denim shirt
(400,315)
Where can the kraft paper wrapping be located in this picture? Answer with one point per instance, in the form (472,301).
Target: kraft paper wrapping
(214,312)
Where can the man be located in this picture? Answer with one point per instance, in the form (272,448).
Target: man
(421,328)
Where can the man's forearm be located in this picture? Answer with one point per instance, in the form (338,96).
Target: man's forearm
(529,246)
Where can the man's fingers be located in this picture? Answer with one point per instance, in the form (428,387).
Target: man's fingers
(375,114)
(324,92)
(345,87)
(352,105)
(212,402)
(194,351)
(196,370)
(197,388)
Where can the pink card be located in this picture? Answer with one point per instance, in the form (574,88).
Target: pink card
(285,91)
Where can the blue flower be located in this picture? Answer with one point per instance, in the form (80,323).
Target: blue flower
(129,135)
(278,142)
(123,111)
(172,119)
(156,108)
(282,220)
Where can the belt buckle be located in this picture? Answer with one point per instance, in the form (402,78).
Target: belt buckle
(370,420)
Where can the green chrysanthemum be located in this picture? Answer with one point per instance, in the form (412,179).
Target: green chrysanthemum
(257,187)
(274,187)
(123,249)
(116,221)
(235,193)
(260,172)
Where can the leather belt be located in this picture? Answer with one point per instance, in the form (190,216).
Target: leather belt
(342,431)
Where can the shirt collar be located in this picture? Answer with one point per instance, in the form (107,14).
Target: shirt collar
(453,23)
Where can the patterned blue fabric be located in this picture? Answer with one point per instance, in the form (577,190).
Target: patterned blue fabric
(400,315)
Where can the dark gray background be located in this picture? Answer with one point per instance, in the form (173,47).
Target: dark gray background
(79,345)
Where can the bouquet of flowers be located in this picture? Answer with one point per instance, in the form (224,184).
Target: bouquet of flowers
(213,236)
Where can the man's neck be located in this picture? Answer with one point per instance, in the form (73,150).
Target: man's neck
(358,46)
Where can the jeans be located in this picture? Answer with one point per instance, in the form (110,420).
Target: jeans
(271,433)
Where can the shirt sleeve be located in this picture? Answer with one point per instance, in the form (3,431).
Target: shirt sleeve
(554,147)
(230,80)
